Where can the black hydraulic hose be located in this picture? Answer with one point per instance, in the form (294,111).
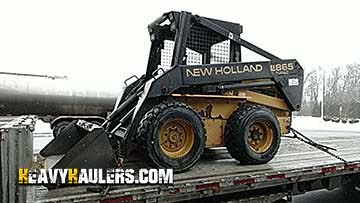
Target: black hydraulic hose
(129,101)
(140,84)
(123,119)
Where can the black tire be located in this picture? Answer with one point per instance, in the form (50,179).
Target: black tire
(149,134)
(237,129)
(59,127)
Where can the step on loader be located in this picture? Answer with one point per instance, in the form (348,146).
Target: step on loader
(197,93)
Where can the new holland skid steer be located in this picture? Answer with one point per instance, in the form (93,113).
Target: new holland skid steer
(197,93)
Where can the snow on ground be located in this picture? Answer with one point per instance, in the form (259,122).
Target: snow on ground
(42,128)
(42,135)
(317,123)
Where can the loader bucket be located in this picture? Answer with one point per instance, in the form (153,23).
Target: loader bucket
(81,148)
(68,137)
(93,151)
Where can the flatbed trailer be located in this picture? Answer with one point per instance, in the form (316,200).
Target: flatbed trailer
(297,169)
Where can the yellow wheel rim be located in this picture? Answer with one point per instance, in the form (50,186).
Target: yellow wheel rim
(176,138)
(260,136)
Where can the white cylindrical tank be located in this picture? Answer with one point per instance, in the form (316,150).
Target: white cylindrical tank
(42,95)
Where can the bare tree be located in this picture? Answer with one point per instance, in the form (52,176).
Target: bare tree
(312,84)
(341,91)
(351,90)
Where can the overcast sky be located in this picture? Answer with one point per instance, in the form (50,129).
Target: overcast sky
(108,40)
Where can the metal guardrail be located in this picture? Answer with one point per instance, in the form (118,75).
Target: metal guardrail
(16,147)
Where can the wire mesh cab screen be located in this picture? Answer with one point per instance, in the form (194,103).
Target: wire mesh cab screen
(203,47)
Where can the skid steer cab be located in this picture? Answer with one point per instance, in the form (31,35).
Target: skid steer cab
(197,93)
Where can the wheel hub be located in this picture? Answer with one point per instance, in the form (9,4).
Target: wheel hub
(173,138)
(176,138)
(256,134)
(260,136)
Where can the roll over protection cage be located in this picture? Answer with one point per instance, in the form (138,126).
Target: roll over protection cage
(181,23)
(177,26)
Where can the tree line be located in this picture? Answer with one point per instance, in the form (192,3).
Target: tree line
(337,89)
